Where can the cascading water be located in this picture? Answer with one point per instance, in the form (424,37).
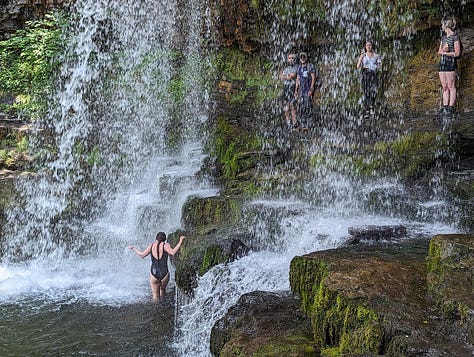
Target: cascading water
(123,159)
(123,148)
(319,210)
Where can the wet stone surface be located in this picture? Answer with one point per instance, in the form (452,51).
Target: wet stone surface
(386,282)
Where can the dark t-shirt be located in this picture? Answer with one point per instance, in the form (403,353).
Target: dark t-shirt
(304,75)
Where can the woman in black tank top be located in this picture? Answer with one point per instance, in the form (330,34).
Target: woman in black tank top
(159,251)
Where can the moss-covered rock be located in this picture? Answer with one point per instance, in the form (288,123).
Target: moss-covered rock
(450,267)
(201,252)
(205,214)
(14,153)
(372,300)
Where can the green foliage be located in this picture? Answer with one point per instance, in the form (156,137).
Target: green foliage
(13,153)
(28,62)
(3,154)
(231,64)
(255,4)
(239,98)
(22,145)
(234,149)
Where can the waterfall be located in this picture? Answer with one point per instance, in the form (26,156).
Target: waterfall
(123,145)
(319,212)
(122,151)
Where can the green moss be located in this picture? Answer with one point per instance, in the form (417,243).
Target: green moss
(410,156)
(252,75)
(22,145)
(255,4)
(176,88)
(433,261)
(93,156)
(239,98)
(306,277)
(445,264)
(234,149)
(233,351)
(340,324)
(454,310)
(202,214)
(313,10)
(185,277)
(231,64)
(3,154)
(213,256)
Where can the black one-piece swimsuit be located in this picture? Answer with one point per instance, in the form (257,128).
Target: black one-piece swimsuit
(159,267)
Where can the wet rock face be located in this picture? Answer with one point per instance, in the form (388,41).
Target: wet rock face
(376,233)
(451,279)
(14,14)
(238,23)
(375,300)
(263,324)
(202,252)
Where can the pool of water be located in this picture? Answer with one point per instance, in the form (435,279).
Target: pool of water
(43,327)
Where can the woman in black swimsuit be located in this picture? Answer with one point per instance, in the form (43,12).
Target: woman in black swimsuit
(159,251)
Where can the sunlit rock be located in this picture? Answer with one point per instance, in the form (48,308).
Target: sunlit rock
(375,300)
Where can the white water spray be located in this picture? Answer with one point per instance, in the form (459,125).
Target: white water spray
(112,177)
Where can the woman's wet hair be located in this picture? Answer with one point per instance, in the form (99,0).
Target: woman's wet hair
(161,237)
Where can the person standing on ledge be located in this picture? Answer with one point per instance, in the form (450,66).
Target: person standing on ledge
(370,63)
(305,81)
(159,273)
(288,77)
(449,50)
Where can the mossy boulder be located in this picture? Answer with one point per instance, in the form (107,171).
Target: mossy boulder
(450,266)
(263,324)
(373,300)
(201,215)
(200,253)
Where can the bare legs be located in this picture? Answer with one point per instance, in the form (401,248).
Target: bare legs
(158,287)
(290,109)
(448,82)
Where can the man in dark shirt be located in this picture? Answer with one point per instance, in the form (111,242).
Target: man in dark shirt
(305,81)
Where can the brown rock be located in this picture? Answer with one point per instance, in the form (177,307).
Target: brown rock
(263,323)
(374,300)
